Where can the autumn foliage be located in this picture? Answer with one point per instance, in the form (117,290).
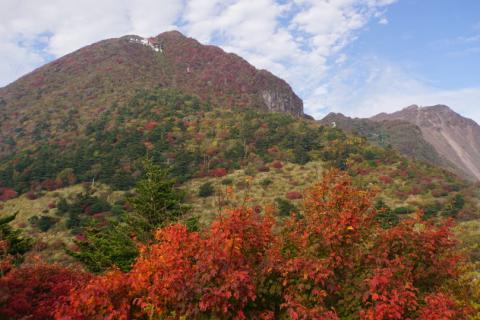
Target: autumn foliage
(334,261)
(31,292)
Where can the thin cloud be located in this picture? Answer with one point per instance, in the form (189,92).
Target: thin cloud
(370,86)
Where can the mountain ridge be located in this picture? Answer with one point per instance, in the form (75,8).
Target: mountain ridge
(455,137)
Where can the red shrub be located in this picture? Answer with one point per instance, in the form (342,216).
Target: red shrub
(31,195)
(150,125)
(218,172)
(263,169)
(277,165)
(7,194)
(385,180)
(293,195)
(32,292)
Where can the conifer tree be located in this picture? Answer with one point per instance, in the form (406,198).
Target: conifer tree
(156,198)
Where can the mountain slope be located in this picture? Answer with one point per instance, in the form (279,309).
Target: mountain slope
(60,98)
(454,137)
(401,135)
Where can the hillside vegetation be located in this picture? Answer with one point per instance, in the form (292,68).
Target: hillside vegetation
(296,212)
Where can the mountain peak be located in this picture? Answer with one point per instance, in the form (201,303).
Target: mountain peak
(413,107)
(455,137)
(113,70)
(171,33)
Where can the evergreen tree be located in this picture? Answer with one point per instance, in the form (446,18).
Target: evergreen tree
(156,198)
(17,244)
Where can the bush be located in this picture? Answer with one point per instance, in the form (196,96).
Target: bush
(206,190)
(403,210)
(62,206)
(285,207)
(117,209)
(294,195)
(218,172)
(31,292)
(277,165)
(46,222)
(192,224)
(100,205)
(227,181)
(266,182)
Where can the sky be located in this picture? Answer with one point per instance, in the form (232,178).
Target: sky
(357,57)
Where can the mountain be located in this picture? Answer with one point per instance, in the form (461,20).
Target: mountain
(401,135)
(454,137)
(75,134)
(61,98)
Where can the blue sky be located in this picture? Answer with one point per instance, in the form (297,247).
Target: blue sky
(358,57)
(439,39)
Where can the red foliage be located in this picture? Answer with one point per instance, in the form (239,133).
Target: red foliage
(32,292)
(441,306)
(293,195)
(263,169)
(385,180)
(218,172)
(31,195)
(150,125)
(277,165)
(273,150)
(51,184)
(215,274)
(7,194)
(335,262)
(199,137)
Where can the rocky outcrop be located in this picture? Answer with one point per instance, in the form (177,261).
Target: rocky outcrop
(454,137)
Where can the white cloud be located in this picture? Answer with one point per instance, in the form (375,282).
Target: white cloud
(71,25)
(383,21)
(299,40)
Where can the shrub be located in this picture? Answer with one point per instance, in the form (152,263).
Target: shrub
(44,223)
(100,205)
(206,190)
(7,194)
(32,292)
(62,206)
(293,195)
(277,165)
(403,210)
(263,169)
(227,181)
(117,209)
(285,207)
(266,182)
(218,172)
(192,224)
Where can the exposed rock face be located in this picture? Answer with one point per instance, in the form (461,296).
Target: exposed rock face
(82,84)
(454,137)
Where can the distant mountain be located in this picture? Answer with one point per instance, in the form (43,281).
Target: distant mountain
(401,135)
(454,137)
(436,135)
(63,96)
